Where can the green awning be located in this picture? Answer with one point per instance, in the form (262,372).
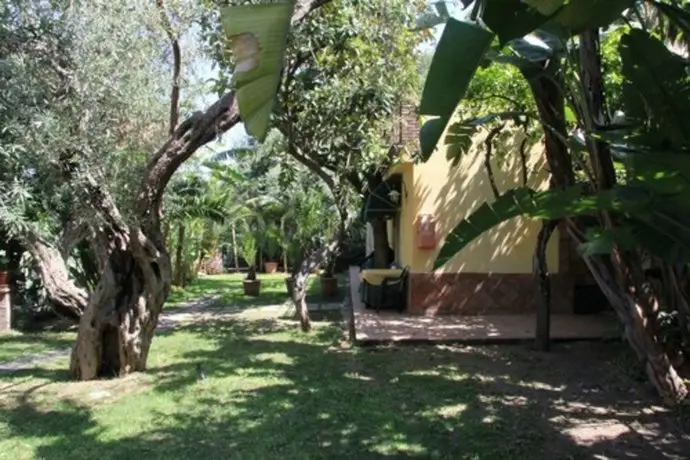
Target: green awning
(378,203)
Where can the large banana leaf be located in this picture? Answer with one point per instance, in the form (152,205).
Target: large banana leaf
(656,89)
(457,57)
(664,233)
(579,15)
(679,17)
(511,19)
(643,164)
(660,232)
(463,47)
(257,36)
(549,205)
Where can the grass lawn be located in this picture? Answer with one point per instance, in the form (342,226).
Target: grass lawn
(16,344)
(230,288)
(13,345)
(274,393)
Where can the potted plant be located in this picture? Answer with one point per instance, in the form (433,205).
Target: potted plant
(252,285)
(4,274)
(272,246)
(329,283)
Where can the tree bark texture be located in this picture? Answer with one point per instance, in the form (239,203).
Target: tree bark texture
(119,322)
(639,298)
(613,275)
(676,300)
(307,266)
(179,276)
(235,256)
(543,282)
(67,298)
(299,286)
(656,363)
(117,327)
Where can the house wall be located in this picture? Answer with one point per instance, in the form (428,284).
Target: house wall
(493,274)
(451,194)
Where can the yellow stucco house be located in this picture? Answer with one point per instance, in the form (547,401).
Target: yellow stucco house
(493,274)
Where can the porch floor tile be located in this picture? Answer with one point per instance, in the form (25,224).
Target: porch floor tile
(389,326)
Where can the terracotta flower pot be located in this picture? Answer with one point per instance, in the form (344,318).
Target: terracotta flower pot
(329,286)
(271,267)
(289,282)
(252,287)
(4,278)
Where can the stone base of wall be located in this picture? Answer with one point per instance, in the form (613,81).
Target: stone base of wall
(5,309)
(484,294)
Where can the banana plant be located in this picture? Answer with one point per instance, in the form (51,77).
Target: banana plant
(652,144)
(257,37)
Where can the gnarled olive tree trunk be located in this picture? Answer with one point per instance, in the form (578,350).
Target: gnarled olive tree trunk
(67,298)
(118,325)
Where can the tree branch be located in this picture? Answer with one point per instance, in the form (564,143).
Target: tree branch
(523,159)
(304,7)
(68,299)
(488,142)
(313,166)
(189,136)
(74,232)
(94,192)
(177,65)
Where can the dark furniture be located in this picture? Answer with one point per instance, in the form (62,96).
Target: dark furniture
(391,294)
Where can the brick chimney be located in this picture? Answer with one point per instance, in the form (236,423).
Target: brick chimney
(408,127)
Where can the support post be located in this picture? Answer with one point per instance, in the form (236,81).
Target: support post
(543,281)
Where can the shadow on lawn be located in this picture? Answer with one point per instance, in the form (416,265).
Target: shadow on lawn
(321,402)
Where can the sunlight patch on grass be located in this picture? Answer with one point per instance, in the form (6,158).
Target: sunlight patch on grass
(447,411)
(391,442)
(358,376)
(490,419)
(278,358)
(399,448)
(272,392)
(544,386)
